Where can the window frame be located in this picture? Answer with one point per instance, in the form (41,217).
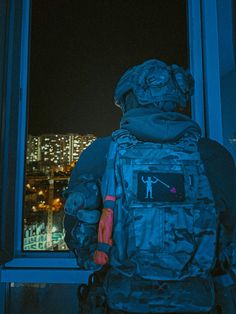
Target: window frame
(20,266)
(203,54)
(205,67)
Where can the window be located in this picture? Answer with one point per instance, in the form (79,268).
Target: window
(78,53)
(227,58)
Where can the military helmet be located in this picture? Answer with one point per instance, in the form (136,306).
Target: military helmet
(154,82)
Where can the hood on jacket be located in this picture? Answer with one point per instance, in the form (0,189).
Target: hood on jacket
(150,124)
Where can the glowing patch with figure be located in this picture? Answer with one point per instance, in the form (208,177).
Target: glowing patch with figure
(160,187)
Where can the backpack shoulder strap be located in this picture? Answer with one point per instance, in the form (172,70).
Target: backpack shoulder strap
(121,139)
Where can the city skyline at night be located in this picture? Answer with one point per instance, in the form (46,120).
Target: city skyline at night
(56,148)
(49,161)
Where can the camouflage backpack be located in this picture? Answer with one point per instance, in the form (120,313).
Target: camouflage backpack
(163,242)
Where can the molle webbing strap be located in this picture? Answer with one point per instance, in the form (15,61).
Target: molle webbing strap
(121,138)
(106,220)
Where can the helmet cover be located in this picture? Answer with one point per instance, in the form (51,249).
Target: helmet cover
(153,82)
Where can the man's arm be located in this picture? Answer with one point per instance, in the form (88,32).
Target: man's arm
(83,195)
(220,170)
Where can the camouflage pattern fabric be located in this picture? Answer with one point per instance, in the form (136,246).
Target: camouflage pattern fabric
(153,82)
(165,225)
(138,295)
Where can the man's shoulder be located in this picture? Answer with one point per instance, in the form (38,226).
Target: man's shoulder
(102,140)
(92,161)
(100,145)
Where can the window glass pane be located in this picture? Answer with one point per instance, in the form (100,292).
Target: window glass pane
(227,57)
(78,53)
(228,96)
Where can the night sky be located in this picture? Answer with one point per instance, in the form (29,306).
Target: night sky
(79,49)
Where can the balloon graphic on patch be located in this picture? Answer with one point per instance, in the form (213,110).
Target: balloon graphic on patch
(173,190)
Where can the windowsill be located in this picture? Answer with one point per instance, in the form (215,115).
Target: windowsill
(42,262)
(61,276)
(42,269)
